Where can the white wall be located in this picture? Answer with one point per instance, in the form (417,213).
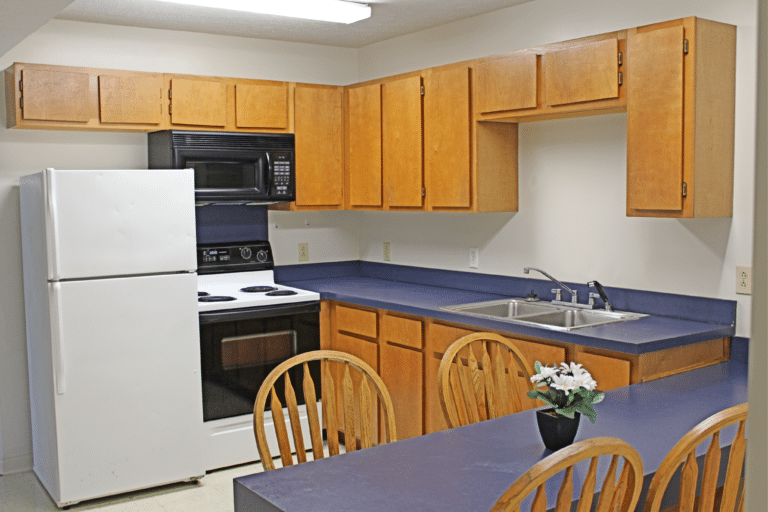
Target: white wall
(572,172)
(334,234)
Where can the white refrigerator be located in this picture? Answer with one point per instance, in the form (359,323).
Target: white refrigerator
(112,330)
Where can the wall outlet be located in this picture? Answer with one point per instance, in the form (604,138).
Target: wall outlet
(304,251)
(744,280)
(474,257)
(387,251)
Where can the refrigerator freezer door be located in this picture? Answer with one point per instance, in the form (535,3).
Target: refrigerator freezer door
(130,416)
(118,222)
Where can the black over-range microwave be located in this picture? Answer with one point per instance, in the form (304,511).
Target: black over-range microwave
(229,167)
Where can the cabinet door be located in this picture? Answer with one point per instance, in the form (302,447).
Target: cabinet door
(364,149)
(401,370)
(54,95)
(130,99)
(319,146)
(401,142)
(608,372)
(655,120)
(582,73)
(447,138)
(261,105)
(507,84)
(198,103)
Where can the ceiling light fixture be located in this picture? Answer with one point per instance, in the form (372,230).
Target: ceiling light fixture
(336,11)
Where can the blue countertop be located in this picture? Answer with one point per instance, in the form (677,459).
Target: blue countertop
(468,468)
(675,320)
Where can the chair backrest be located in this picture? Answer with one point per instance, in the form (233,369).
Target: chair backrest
(615,496)
(483,376)
(684,452)
(358,407)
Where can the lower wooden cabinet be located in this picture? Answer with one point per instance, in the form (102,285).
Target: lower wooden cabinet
(406,351)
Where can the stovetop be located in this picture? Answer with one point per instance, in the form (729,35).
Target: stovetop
(239,275)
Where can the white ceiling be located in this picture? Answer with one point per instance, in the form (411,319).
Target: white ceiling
(390,18)
(19,18)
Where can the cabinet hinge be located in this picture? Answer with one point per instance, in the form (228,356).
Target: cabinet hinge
(685,47)
(21,104)
(423,192)
(169,94)
(685,189)
(620,59)
(621,78)
(21,85)
(169,109)
(422,90)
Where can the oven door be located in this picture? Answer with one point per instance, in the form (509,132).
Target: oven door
(239,347)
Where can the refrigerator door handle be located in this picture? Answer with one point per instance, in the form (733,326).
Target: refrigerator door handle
(57,339)
(52,228)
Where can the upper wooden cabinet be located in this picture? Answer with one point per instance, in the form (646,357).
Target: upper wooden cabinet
(680,119)
(364,146)
(319,146)
(508,84)
(587,72)
(55,95)
(261,105)
(402,143)
(130,99)
(447,164)
(198,103)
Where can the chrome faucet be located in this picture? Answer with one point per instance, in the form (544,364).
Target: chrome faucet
(556,291)
(600,293)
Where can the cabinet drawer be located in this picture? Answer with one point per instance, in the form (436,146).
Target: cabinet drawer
(402,331)
(442,336)
(609,372)
(356,321)
(548,355)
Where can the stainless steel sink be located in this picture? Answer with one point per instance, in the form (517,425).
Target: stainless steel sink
(542,314)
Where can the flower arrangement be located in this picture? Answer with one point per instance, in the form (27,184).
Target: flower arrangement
(570,389)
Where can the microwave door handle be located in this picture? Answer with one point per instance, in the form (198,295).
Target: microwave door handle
(269,175)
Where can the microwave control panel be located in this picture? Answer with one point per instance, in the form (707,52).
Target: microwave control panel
(282,175)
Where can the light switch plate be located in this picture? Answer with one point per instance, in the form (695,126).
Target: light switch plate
(474,257)
(744,280)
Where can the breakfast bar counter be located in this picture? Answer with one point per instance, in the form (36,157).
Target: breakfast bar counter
(468,468)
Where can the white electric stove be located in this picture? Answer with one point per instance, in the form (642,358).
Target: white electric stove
(248,326)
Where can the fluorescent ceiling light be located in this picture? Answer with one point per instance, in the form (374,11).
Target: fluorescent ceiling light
(323,10)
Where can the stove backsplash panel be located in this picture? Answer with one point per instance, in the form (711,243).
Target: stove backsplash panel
(231,223)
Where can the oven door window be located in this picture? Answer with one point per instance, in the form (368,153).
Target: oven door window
(238,355)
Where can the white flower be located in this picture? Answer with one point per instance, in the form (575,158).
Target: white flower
(563,382)
(584,380)
(545,372)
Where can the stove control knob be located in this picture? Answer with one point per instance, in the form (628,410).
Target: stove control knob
(246,253)
(262,256)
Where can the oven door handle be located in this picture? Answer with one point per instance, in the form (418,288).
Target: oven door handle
(227,315)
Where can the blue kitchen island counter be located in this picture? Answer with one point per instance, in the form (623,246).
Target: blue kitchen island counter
(674,321)
(468,468)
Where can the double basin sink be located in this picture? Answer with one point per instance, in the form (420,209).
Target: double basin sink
(542,314)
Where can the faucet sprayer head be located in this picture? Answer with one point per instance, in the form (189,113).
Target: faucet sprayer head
(525,270)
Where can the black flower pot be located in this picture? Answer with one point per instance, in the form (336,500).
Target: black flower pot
(557,431)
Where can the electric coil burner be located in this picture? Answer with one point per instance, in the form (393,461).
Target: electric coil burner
(248,326)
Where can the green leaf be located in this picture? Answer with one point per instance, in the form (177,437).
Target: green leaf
(537,366)
(587,410)
(598,398)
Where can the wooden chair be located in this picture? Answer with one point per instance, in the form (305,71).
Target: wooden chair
(482,376)
(359,407)
(621,496)
(684,453)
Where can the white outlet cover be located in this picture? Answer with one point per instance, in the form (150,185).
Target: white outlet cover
(474,257)
(744,280)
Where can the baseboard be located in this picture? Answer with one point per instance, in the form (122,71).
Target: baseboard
(11,465)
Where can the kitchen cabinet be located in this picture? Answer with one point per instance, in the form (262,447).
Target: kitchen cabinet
(262,105)
(364,146)
(318,126)
(508,84)
(131,98)
(447,165)
(586,72)
(198,103)
(402,143)
(680,119)
(55,95)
